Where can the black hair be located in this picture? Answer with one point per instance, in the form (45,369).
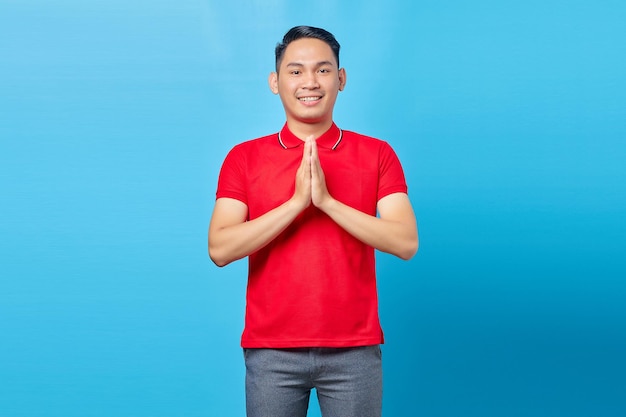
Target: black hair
(300,32)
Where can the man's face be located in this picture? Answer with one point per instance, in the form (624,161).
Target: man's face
(308,81)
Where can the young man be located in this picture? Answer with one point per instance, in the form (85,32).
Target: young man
(302,205)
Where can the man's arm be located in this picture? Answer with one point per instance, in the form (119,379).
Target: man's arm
(231,237)
(395,231)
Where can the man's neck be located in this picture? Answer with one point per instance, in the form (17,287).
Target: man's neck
(303,130)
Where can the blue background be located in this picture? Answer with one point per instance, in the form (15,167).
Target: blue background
(509,118)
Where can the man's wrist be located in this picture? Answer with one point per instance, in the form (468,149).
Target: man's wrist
(327,204)
(297,204)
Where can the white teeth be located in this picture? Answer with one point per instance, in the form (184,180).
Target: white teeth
(309,98)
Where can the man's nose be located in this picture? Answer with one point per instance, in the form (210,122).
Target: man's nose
(310,80)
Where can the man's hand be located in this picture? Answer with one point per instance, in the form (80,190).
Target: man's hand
(319,191)
(302,194)
(310,180)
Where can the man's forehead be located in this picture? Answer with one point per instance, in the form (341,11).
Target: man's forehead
(309,50)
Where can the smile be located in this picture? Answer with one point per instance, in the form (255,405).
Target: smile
(309,98)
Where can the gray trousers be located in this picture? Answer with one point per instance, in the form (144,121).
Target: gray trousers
(348,381)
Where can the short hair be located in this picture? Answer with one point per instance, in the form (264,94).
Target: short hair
(299,32)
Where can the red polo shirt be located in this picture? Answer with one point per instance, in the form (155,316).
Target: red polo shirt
(314,285)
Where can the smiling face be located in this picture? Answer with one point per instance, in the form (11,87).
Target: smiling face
(308,82)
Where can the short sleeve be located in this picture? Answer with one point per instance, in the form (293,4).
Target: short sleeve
(391,175)
(232,179)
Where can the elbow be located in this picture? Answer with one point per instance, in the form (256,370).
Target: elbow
(409,250)
(218,260)
(217,253)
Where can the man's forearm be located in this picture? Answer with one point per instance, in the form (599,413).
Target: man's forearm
(398,238)
(395,231)
(232,238)
(233,242)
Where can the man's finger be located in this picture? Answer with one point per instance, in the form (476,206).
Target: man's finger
(315,160)
(306,158)
(306,155)
(311,139)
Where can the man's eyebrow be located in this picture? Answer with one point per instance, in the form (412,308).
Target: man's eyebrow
(299,64)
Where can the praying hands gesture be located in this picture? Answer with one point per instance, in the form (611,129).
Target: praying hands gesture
(231,237)
(310,180)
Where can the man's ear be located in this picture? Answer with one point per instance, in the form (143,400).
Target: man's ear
(342,79)
(273,82)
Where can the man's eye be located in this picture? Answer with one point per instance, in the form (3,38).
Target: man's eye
(324,70)
(295,72)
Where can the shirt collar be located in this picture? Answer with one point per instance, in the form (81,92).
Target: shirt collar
(329,140)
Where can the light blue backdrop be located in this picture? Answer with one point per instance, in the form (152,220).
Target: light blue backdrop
(510,120)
